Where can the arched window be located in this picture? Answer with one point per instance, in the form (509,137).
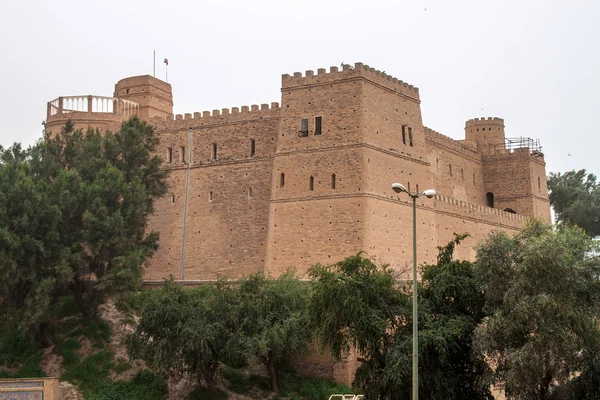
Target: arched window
(311,184)
(489,197)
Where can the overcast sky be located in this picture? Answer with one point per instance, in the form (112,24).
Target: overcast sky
(534,63)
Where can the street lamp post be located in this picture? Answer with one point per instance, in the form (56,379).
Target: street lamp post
(399,188)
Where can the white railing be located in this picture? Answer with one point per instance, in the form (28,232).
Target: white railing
(346,397)
(93,104)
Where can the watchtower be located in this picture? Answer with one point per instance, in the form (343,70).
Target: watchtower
(486,133)
(514,169)
(154,97)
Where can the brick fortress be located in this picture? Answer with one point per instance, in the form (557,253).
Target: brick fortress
(308,180)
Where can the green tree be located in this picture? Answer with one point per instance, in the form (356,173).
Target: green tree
(185,332)
(575,198)
(33,270)
(359,304)
(356,304)
(272,321)
(542,295)
(104,186)
(450,309)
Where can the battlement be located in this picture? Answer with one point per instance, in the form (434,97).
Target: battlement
(471,208)
(447,141)
(358,71)
(485,121)
(224,115)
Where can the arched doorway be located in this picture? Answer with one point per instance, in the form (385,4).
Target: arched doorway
(489,197)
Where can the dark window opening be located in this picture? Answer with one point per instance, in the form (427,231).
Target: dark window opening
(127,91)
(210,197)
(249,192)
(213,151)
(318,124)
(410,136)
(311,184)
(450,169)
(417,188)
(182,154)
(252,147)
(510,210)
(172,199)
(539,184)
(489,197)
(473,178)
(303,128)
(281,180)
(403,134)
(409,187)
(169,155)
(333,181)
(462,174)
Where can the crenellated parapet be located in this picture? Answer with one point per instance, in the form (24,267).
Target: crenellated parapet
(483,121)
(358,71)
(479,212)
(218,117)
(448,142)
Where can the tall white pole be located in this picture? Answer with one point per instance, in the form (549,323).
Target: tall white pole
(154,65)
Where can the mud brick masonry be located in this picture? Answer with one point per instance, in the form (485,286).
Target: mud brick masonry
(308,180)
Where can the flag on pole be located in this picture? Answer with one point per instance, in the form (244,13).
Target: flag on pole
(166,61)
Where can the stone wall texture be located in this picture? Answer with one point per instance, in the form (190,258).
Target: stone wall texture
(308,180)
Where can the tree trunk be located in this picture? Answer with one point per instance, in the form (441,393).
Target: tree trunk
(42,335)
(78,289)
(270,364)
(544,392)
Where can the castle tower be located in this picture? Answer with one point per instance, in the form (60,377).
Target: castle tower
(345,136)
(486,133)
(154,97)
(514,169)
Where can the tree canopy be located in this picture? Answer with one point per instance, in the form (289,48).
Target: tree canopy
(271,321)
(358,304)
(73,217)
(542,296)
(575,198)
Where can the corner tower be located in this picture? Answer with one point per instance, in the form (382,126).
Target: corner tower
(154,97)
(514,169)
(485,133)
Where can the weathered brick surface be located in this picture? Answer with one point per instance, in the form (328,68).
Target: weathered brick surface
(242,220)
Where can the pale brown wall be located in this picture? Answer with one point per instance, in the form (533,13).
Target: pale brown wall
(226,237)
(466,181)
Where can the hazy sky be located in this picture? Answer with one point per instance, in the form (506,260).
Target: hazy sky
(534,63)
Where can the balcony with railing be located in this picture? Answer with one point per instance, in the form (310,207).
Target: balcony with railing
(94,111)
(92,104)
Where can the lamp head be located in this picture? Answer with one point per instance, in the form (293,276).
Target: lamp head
(398,188)
(429,193)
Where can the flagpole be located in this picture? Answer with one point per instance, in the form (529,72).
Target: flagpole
(154,65)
